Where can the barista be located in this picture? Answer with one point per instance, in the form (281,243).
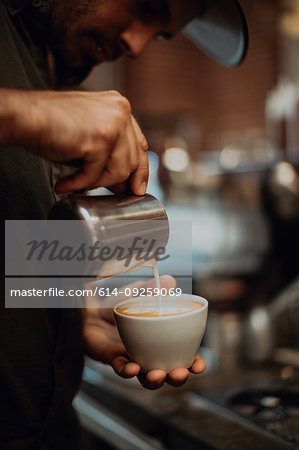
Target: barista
(51,45)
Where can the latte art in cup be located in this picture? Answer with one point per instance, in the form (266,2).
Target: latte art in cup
(162,336)
(145,309)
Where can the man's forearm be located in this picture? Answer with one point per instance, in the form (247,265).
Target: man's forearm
(14,116)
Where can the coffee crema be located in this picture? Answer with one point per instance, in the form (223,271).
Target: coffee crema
(154,310)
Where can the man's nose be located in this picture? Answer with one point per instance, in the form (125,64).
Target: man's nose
(135,38)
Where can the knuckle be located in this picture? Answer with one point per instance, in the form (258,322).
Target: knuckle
(103,134)
(123,103)
(143,144)
(114,93)
(117,117)
(125,174)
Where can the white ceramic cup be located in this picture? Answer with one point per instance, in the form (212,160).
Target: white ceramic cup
(164,342)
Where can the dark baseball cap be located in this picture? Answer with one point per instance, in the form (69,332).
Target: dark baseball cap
(220,31)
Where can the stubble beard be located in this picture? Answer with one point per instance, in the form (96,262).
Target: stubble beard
(64,14)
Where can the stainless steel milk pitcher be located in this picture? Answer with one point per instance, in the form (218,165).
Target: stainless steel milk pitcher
(129,232)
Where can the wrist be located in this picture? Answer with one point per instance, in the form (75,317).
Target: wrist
(18,116)
(7,116)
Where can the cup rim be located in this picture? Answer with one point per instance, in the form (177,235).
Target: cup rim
(196,298)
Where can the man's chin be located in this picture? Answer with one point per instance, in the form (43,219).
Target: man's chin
(68,77)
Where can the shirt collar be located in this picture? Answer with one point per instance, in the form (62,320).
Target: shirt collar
(37,16)
(15,6)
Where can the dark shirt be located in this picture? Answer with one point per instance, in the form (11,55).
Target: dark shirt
(41,351)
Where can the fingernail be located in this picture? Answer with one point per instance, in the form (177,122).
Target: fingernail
(142,188)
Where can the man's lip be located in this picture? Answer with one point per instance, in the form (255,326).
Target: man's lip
(104,53)
(99,52)
(110,53)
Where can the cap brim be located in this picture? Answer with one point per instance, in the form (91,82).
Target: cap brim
(220,31)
